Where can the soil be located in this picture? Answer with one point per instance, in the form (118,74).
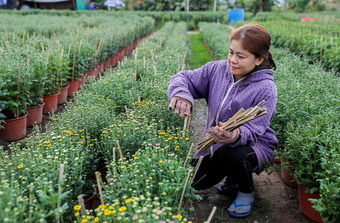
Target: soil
(274,200)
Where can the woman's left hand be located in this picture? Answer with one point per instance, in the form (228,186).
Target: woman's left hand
(222,136)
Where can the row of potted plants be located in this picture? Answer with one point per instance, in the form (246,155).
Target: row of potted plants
(306,126)
(318,42)
(77,138)
(40,71)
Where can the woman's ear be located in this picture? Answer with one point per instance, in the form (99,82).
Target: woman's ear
(259,61)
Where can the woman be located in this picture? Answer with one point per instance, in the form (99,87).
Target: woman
(242,81)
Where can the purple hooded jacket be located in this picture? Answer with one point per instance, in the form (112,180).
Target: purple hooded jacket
(212,82)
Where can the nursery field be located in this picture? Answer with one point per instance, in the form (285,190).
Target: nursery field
(116,154)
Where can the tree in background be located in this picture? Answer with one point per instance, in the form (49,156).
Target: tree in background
(298,5)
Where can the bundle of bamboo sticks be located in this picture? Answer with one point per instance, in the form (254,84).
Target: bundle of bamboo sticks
(240,118)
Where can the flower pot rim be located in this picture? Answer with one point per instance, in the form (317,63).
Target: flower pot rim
(67,86)
(51,95)
(36,106)
(13,119)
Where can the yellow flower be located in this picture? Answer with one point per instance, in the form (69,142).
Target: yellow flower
(113,212)
(122,209)
(84,220)
(91,144)
(48,145)
(40,144)
(103,206)
(186,139)
(107,212)
(89,217)
(76,214)
(135,157)
(129,200)
(161,161)
(60,140)
(20,200)
(47,142)
(176,137)
(110,207)
(82,141)
(169,138)
(96,219)
(179,216)
(164,193)
(54,119)
(20,167)
(77,207)
(162,133)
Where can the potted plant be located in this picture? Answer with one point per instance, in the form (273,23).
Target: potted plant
(14,85)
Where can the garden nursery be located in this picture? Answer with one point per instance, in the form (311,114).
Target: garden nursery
(85,130)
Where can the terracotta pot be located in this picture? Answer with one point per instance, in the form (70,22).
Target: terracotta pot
(51,103)
(73,88)
(113,61)
(34,115)
(287,173)
(306,205)
(106,64)
(62,97)
(121,55)
(14,129)
(81,82)
(100,68)
(92,73)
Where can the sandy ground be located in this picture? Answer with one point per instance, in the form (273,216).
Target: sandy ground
(274,200)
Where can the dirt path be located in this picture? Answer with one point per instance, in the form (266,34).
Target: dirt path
(274,201)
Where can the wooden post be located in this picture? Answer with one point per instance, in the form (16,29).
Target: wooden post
(81,203)
(61,178)
(211,214)
(18,90)
(99,188)
(186,159)
(74,60)
(30,201)
(120,150)
(321,48)
(184,189)
(185,126)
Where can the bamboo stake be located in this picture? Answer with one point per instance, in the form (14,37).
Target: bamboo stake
(186,159)
(69,50)
(51,73)
(120,150)
(184,189)
(99,188)
(81,203)
(30,201)
(61,68)
(61,178)
(185,126)
(18,90)
(197,166)
(211,214)
(28,63)
(321,47)
(74,60)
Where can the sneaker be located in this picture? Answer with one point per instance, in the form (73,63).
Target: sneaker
(228,187)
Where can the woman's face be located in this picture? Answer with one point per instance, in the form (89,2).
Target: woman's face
(241,61)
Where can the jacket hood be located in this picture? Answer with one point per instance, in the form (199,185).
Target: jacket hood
(260,75)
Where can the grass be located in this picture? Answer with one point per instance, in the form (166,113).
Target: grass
(199,53)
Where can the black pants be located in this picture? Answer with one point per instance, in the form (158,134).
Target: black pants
(237,162)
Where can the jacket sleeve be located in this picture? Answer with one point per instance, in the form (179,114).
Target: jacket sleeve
(193,84)
(253,130)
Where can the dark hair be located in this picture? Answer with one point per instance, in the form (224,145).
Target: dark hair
(256,39)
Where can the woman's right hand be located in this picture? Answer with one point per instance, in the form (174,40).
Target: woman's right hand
(181,106)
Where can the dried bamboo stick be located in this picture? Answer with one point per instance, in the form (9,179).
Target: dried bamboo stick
(186,159)
(184,189)
(99,188)
(81,203)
